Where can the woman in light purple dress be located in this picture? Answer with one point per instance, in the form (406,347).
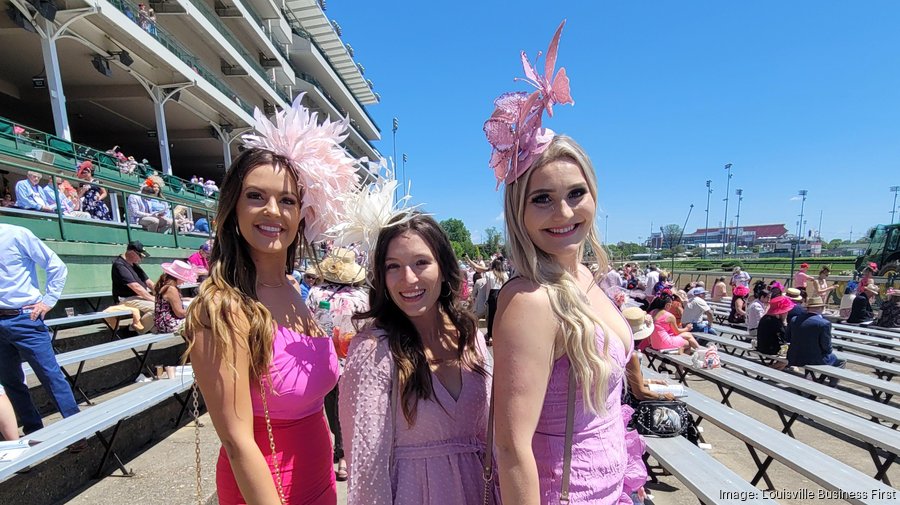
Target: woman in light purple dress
(552,321)
(415,389)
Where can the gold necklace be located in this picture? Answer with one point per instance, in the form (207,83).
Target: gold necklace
(263,284)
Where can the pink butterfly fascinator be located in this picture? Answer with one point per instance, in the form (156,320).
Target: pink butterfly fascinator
(514,129)
(325,171)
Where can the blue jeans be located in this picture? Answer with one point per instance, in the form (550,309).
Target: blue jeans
(704,327)
(22,339)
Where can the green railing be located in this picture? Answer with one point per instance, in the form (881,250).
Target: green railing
(169,42)
(67,156)
(298,30)
(57,226)
(233,40)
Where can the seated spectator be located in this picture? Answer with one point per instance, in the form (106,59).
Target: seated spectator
(719,289)
(9,427)
(738,313)
(71,203)
(131,286)
(202,225)
(200,259)
(776,289)
(169,311)
(770,335)
(697,309)
(861,312)
(307,281)
(869,271)
(679,300)
(847,300)
(796,296)
(757,310)
(140,211)
(182,222)
(210,188)
(810,337)
(666,332)
(662,283)
(30,195)
(91,194)
(890,310)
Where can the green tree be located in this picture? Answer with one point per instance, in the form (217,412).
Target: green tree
(493,241)
(460,238)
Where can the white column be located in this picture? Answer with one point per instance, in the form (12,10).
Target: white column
(226,147)
(54,81)
(159,108)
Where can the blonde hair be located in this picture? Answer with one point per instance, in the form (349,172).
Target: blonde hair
(577,319)
(180,210)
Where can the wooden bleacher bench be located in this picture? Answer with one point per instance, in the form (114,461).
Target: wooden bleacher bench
(824,470)
(57,437)
(882,390)
(815,390)
(58,323)
(889,355)
(869,330)
(791,406)
(865,338)
(80,356)
(93,299)
(711,481)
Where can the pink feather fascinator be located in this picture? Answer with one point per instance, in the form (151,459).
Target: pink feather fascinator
(514,129)
(325,171)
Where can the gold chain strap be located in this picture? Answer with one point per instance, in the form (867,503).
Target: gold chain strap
(196,412)
(278,484)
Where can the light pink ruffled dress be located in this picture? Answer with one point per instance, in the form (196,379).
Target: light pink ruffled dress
(437,461)
(606,458)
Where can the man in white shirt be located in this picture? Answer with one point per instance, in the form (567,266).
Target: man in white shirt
(23,334)
(696,309)
(652,280)
(611,279)
(740,278)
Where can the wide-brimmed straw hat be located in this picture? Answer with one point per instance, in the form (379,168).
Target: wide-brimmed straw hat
(815,301)
(794,294)
(340,267)
(871,288)
(180,270)
(780,305)
(640,328)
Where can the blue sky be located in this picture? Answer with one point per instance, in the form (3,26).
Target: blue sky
(797,95)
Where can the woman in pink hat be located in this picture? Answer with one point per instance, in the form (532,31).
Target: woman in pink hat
(738,314)
(770,333)
(169,311)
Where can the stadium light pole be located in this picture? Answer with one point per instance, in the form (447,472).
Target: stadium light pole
(802,193)
(405,181)
(737,222)
(396,125)
(894,190)
(706,229)
(725,221)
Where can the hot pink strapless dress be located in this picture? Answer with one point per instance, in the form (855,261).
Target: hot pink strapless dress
(304,369)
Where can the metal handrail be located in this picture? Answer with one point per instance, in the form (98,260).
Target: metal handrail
(170,42)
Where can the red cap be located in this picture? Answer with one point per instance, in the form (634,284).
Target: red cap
(804,265)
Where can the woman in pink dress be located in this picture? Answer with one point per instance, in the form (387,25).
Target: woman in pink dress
(415,389)
(666,333)
(261,362)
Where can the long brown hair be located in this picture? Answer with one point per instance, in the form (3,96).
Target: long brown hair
(406,344)
(230,288)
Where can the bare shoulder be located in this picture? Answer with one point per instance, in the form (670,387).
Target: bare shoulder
(210,308)
(524,310)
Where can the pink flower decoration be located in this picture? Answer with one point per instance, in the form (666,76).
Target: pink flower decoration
(325,171)
(514,128)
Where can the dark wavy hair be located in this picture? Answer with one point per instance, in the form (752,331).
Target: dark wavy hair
(406,344)
(231,285)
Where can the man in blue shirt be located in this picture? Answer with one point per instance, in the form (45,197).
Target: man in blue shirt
(809,335)
(30,195)
(23,334)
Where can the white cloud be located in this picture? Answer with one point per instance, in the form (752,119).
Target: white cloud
(796,198)
(499,217)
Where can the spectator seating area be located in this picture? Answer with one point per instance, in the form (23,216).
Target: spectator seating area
(100,422)
(21,143)
(856,404)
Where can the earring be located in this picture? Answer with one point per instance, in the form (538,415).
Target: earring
(449,291)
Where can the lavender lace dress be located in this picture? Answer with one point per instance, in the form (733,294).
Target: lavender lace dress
(437,461)
(606,459)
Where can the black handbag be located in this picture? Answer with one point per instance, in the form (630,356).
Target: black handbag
(664,418)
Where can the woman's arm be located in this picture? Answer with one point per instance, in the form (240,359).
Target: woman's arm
(674,323)
(227,395)
(525,331)
(636,383)
(103,193)
(367,420)
(739,307)
(173,296)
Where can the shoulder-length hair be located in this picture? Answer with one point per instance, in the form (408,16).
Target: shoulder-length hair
(407,349)
(577,319)
(230,289)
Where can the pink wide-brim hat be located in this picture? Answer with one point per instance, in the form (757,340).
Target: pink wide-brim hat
(780,305)
(180,270)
